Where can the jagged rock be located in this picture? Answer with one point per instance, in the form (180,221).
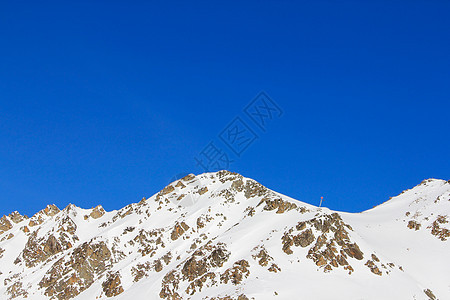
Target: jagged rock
(67,225)
(193,268)
(70,276)
(237,273)
(178,230)
(5,224)
(254,189)
(373,268)
(51,210)
(238,185)
(16,217)
(430,294)
(180,185)
(168,189)
(39,250)
(197,284)
(97,212)
(218,257)
(263,256)
(188,177)
(169,285)
(16,290)
(324,252)
(112,286)
(441,233)
(413,225)
(277,203)
(203,190)
(304,239)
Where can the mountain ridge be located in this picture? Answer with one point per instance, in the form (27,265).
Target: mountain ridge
(219,235)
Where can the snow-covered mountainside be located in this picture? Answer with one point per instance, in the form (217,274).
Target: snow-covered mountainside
(223,236)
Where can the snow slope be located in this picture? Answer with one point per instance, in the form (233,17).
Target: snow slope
(223,236)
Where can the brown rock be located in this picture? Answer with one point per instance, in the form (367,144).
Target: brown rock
(112,286)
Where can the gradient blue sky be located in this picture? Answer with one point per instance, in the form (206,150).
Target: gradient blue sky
(103,102)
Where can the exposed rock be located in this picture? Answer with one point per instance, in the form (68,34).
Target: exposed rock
(178,230)
(274,268)
(51,210)
(430,294)
(5,224)
(16,217)
(169,286)
(180,185)
(16,290)
(140,271)
(326,252)
(237,273)
(375,258)
(188,177)
(67,225)
(168,189)
(39,250)
(218,257)
(197,284)
(304,239)
(193,268)
(254,189)
(203,190)
(441,233)
(71,275)
(413,225)
(97,212)
(198,270)
(373,268)
(112,286)
(238,185)
(277,203)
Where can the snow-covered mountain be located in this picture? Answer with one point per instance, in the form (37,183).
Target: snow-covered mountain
(223,236)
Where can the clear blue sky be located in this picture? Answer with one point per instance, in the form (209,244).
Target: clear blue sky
(103,102)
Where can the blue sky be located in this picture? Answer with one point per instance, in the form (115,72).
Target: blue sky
(103,102)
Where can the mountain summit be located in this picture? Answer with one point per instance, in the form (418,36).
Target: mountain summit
(223,236)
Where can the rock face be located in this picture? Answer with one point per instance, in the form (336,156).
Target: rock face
(112,286)
(5,224)
(223,236)
(73,274)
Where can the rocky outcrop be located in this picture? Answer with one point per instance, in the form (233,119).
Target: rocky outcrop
(327,252)
(38,250)
(430,294)
(96,213)
(277,203)
(71,275)
(413,225)
(264,259)
(237,273)
(5,224)
(112,286)
(437,230)
(16,290)
(16,217)
(197,271)
(178,230)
